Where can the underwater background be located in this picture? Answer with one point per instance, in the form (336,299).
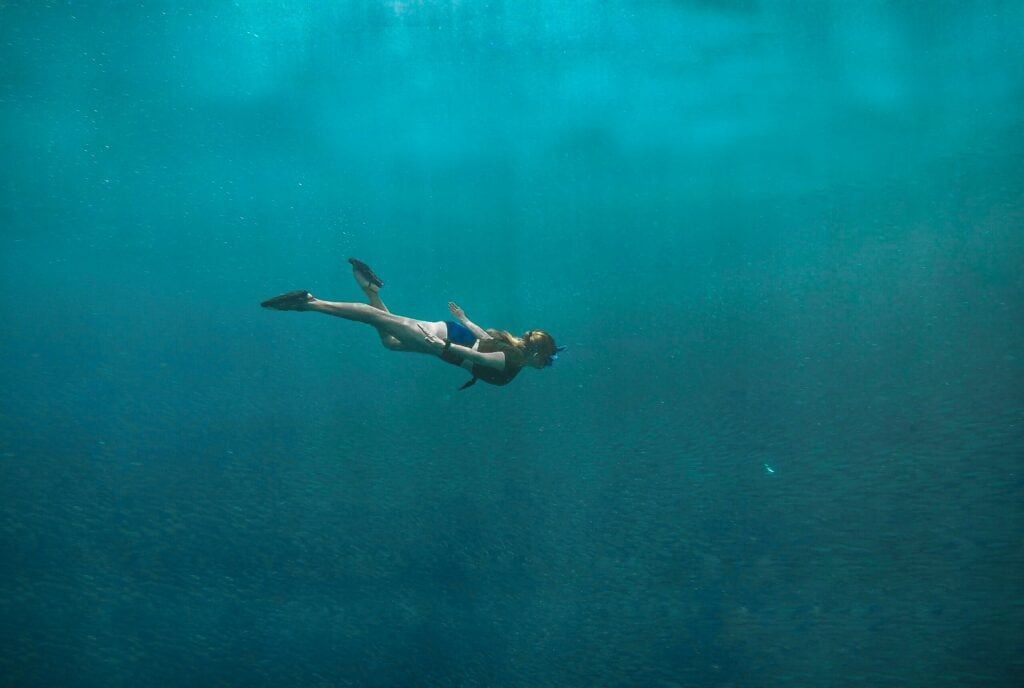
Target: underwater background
(782,240)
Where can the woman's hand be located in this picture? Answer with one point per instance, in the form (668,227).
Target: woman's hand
(431,338)
(456,311)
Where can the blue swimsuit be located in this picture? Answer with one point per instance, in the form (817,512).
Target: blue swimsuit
(459,333)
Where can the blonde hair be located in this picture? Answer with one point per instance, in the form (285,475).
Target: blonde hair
(534,340)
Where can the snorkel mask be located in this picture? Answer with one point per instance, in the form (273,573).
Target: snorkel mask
(554,356)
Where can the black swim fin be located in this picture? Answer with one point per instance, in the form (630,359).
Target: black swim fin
(292,301)
(364,270)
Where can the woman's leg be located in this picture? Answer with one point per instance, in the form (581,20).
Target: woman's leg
(405,331)
(372,295)
(396,332)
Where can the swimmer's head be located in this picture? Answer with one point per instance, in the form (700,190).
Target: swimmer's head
(540,348)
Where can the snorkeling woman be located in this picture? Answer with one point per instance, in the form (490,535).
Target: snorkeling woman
(494,356)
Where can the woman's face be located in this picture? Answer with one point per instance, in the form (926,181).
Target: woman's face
(536,359)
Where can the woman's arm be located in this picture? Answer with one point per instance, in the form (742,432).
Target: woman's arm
(477,331)
(493,359)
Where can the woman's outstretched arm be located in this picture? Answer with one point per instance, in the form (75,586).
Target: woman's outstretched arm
(460,314)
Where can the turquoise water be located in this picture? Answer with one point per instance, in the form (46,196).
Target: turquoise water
(783,242)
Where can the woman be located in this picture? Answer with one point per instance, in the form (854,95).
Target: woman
(494,356)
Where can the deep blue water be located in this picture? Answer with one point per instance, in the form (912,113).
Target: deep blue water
(782,240)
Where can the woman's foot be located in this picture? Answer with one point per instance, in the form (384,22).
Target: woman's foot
(365,277)
(292,301)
